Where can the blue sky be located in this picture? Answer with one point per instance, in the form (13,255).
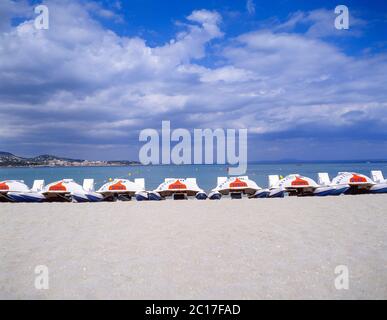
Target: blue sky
(107,69)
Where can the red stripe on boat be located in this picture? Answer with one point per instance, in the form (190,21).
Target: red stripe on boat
(356,178)
(4,186)
(300,182)
(58,187)
(177,185)
(238,184)
(117,186)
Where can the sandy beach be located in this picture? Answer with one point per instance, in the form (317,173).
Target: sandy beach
(229,249)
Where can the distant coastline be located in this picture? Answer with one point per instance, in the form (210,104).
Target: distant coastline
(9,160)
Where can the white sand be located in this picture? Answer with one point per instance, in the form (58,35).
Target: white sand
(228,249)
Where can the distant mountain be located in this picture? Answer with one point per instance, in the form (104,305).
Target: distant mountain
(8,159)
(48,157)
(5,154)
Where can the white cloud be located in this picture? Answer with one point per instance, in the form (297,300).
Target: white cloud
(227,74)
(10,9)
(320,24)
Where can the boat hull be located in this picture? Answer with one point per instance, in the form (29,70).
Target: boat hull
(340,190)
(154,196)
(379,188)
(358,189)
(276,193)
(87,197)
(25,197)
(215,196)
(261,194)
(201,196)
(141,196)
(123,197)
(331,191)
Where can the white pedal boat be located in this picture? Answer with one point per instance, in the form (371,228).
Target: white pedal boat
(18,191)
(358,183)
(67,190)
(124,190)
(237,188)
(297,185)
(178,189)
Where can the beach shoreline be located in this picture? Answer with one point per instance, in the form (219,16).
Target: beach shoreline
(228,249)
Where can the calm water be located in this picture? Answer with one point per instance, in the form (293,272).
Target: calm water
(206,174)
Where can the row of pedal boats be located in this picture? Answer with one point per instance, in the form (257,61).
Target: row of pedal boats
(67,190)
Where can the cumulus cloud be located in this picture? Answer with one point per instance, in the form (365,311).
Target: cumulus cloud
(320,24)
(10,9)
(82,84)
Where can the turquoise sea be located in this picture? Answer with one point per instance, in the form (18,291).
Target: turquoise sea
(206,174)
